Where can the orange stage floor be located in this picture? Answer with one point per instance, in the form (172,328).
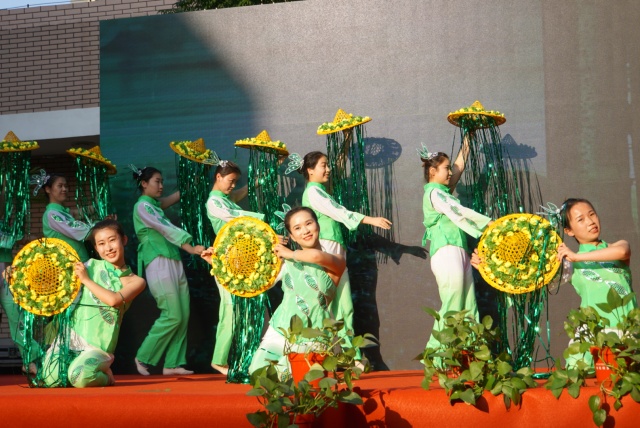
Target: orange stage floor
(392,399)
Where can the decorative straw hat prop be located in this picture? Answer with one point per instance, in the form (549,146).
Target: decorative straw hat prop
(93,194)
(15,161)
(43,283)
(495,192)
(264,161)
(193,165)
(345,152)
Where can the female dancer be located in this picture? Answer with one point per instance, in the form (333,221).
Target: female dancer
(598,267)
(309,278)
(446,222)
(222,207)
(159,258)
(57,222)
(109,288)
(316,170)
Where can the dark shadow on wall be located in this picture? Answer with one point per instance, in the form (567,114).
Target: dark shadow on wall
(157,87)
(378,246)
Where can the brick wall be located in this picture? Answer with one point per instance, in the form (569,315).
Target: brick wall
(49,60)
(50,56)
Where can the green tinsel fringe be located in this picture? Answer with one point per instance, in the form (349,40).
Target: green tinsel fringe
(248,322)
(14,189)
(494,187)
(349,179)
(93,194)
(263,185)
(194,186)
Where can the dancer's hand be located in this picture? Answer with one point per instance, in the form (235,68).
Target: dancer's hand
(565,252)
(283,252)
(380,222)
(207,254)
(283,240)
(475,259)
(81,271)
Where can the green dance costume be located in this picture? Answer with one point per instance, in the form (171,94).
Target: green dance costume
(159,259)
(446,222)
(330,214)
(58,223)
(221,209)
(308,293)
(94,332)
(592,281)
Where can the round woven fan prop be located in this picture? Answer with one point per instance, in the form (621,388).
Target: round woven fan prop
(342,121)
(476,114)
(42,278)
(263,142)
(243,261)
(519,253)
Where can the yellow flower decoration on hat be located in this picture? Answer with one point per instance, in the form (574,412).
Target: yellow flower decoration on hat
(93,155)
(342,121)
(192,150)
(263,142)
(476,112)
(11,143)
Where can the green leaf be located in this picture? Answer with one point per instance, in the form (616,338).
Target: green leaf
(574,390)
(594,403)
(504,368)
(518,384)
(432,312)
(599,416)
(635,394)
(557,392)
(327,382)
(312,375)
(617,404)
(614,299)
(351,398)
(258,419)
(311,333)
(468,396)
(256,392)
(483,354)
(330,363)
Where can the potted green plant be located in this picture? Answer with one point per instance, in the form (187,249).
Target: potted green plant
(464,365)
(289,403)
(615,351)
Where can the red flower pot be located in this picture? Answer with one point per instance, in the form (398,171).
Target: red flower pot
(301,364)
(602,360)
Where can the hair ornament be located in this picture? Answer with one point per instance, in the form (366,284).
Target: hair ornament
(214,160)
(425,154)
(281,215)
(39,180)
(295,163)
(135,170)
(552,212)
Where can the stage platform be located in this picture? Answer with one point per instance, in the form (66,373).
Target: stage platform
(392,399)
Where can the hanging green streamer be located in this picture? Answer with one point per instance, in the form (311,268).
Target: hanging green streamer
(248,322)
(249,312)
(194,187)
(14,200)
(93,194)
(349,179)
(50,337)
(263,185)
(495,191)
